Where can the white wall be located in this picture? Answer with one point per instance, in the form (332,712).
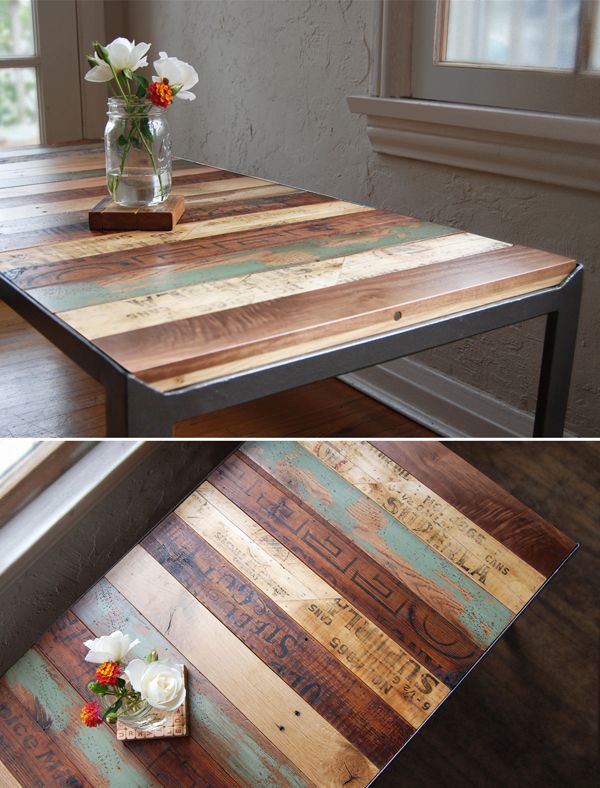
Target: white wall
(274,76)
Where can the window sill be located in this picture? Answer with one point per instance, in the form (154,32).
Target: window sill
(556,149)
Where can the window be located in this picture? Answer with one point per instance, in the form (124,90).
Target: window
(503,86)
(41,69)
(518,54)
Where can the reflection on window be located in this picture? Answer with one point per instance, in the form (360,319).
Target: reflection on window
(16,28)
(12,451)
(518,33)
(19,117)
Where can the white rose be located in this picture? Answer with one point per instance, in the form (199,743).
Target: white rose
(109,648)
(158,683)
(123,54)
(178,73)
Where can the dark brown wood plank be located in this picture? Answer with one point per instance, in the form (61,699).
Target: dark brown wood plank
(170,349)
(518,527)
(320,679)
(434,642)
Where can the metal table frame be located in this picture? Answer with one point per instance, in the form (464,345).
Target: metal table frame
(138,410)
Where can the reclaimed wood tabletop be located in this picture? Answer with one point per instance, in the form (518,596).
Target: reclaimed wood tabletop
(325,597)
(254,274)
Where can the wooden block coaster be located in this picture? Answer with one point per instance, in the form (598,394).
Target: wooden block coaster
(107,215)
(176,724)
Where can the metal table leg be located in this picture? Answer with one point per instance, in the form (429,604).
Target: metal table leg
(557,361)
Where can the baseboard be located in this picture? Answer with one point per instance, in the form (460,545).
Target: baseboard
(444,405)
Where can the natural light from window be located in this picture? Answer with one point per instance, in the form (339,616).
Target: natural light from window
(13,451)
(513,33)
(19,113)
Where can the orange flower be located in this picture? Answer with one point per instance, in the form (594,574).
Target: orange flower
(108,673)
(160,93)
(90,714)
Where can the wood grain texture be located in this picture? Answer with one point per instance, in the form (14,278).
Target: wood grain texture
(310,487)
(306,738)
(443,649)
(313,654)
(330,688)
(470,548)
(230,287)
(106,215)
(477,497)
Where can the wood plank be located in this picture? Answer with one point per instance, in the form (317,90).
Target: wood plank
(325,756)
(386,668)
(477,497)
(74,285)
(440,647)
(173,763)
(121,242)
(416,507)
(300,477)
(106,215)
(28,752)
(7,779)
(215,722)
(45,693)
(317,677)
(431,298)
(224,296)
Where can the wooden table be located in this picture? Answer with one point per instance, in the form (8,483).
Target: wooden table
(326,598)
(260,288)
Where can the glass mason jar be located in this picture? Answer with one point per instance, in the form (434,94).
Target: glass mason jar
(137,142)
(141,715)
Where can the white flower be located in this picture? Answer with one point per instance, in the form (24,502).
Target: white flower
(122,54)
(109,648)
(158,683)
(178,73)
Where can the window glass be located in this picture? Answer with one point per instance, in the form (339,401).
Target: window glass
(513,33)
(19,114)
(16,28)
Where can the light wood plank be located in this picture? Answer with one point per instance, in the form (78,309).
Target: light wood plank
(7,779)
(359,644)
(121,242)
(209,297)
(306,739)
(473,551)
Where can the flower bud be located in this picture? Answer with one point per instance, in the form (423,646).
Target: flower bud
(101,51)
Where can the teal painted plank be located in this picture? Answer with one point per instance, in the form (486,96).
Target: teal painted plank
(217,725)
(74,295)
(481,616)
(61,705)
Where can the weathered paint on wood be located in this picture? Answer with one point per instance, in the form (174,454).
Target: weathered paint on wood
(426,573)
(386,668)
(306,738)
(272,635)
(315,646)
(215,722)
(41,689)
(177,289)
(443,649)
(28,753)
(470,548)
(515,525)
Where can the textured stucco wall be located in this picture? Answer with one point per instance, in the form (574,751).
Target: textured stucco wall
(274,77)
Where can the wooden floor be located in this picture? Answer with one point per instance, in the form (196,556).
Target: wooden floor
(526,716)
(43,394)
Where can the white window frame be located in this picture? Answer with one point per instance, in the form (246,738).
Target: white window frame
(545,147)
